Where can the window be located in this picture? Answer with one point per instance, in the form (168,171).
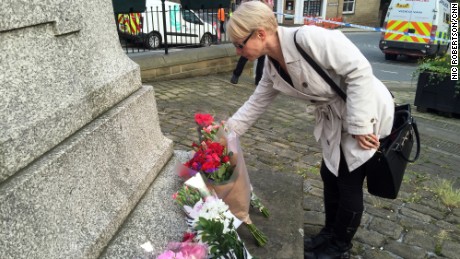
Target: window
(348,6)
(190,17)
(312,8)
(447,18)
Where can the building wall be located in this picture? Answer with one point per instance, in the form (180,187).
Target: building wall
(366,12)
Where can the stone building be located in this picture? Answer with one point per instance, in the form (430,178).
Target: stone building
(351,11)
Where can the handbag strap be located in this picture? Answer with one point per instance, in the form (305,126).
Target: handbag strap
(417,139)
(319,70)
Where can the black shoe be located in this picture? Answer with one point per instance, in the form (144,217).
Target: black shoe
(315,242)
(334,250)
(234,79)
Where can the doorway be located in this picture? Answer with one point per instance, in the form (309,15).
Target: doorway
(289,11)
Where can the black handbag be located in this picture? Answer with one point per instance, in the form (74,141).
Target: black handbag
(384,170)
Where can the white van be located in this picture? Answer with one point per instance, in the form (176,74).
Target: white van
(429,18)
(183,27)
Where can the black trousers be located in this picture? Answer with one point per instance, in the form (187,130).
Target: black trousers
(259,67)
(343,200)
(222,27)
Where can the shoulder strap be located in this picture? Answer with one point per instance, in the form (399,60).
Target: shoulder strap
(320,71)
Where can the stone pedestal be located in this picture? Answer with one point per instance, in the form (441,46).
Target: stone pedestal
(80,140)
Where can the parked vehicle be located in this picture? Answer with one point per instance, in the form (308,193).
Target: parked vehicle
(183,27)
(429,18)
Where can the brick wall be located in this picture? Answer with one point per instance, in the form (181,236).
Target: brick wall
(366,12)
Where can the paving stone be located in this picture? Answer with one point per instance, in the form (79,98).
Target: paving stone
(451,249)
(371,238)
(420,238)
(405,251)
(435,204)
(453,219)
(386,227)
(314,218)
(409,223)
(416,215)
(443,225)
(316,192)
(366,220)
(311,230)
(380,212)
(433,212)
(377,253)
(310,204)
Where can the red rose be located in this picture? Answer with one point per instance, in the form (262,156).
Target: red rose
(188,237)
(204,119)
(226,159)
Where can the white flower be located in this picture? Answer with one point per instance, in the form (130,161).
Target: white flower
(212,208)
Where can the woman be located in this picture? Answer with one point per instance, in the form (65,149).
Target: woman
(348,131)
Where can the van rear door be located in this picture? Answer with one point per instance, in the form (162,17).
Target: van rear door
(409,17)
(421,22)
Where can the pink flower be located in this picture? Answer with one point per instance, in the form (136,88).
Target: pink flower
(167,255)
(185,250)
(194,250)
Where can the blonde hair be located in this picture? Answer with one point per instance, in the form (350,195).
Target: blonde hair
(250,16)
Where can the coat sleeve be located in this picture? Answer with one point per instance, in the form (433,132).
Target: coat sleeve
(335,53)
(255,106)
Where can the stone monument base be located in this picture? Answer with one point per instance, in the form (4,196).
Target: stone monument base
(71,201)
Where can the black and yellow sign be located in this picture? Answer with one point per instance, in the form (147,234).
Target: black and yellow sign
(398,5)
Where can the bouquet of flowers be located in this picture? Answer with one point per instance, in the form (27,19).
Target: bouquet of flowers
(212,225)
(219,159)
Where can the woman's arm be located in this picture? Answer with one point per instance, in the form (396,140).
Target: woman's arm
(253,107)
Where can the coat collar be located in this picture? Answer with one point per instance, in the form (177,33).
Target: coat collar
(288,48)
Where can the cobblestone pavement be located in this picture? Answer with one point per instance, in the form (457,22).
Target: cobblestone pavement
(416,225)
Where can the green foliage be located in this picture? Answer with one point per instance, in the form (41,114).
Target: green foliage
(438,68)
(187,196)
(257,234)
(221,175)
(447,193)
(220,243)
(439,65)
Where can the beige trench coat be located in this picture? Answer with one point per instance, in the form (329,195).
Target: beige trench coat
(369,107)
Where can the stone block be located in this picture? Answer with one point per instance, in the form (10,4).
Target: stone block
(405,251)
(61,74)
(371,238)
(72,200)
(157,218)
(420,238)
(451,249)
(386,227)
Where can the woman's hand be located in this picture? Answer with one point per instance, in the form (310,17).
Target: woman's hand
(368,141)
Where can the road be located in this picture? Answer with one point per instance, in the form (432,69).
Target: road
(398,70)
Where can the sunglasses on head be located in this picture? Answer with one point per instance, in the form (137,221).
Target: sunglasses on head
(241,45)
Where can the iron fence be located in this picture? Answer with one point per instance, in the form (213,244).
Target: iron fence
(158,29)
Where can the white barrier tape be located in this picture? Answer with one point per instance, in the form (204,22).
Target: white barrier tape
(365,27)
